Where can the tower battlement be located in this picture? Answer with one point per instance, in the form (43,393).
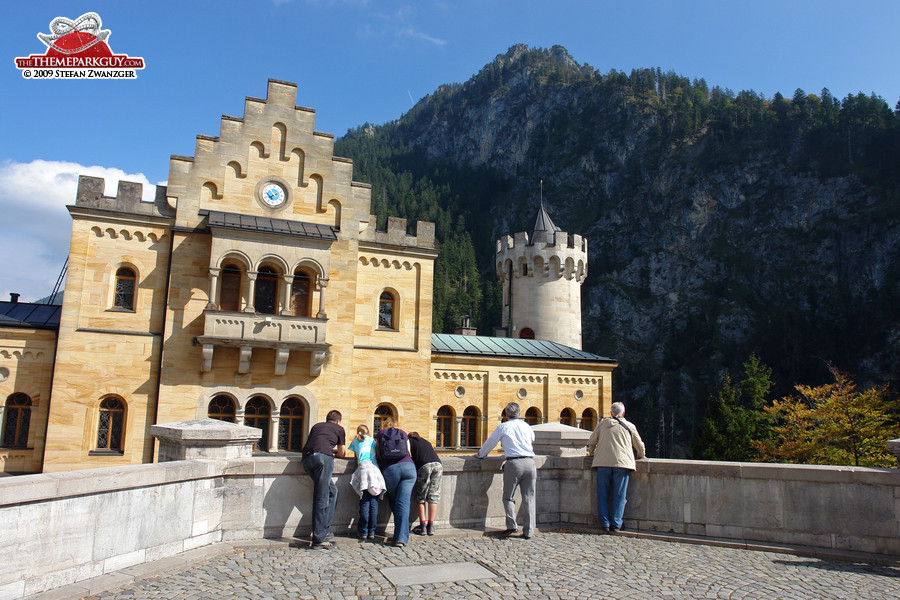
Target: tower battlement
(128,198)
(396,235)
(552,254)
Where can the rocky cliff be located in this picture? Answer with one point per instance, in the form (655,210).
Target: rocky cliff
(719,224)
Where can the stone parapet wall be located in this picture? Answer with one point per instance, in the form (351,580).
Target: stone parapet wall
(62,528)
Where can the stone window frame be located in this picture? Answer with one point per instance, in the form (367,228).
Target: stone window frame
(385,409)
(443,427)
(17,412)
(590,421)
(386,296)
(287,426)
(258,413)
(533,415)
(469,427)
(124,300)
(111,415)
(567,417)
(222,415)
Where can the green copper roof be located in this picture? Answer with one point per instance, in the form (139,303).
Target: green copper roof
(474,345)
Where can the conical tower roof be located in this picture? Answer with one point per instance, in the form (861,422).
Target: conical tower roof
(541,222)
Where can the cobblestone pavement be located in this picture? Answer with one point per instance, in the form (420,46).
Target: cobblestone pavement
(551,565)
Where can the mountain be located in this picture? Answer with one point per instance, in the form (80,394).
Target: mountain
(718,224)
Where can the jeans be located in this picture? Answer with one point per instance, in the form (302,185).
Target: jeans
(520,472)
(399,480)
(368,515)
(319,468)
(614,480)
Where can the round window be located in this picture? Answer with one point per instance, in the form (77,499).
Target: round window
(460,391)
(4,373)
(579,395)
(521,393)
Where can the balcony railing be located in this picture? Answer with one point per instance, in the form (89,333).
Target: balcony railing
(252,330)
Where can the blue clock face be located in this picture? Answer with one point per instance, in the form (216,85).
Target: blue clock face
(273,194)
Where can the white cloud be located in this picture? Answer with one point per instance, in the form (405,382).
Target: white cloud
(35,226)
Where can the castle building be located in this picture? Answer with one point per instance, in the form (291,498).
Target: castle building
(257,289)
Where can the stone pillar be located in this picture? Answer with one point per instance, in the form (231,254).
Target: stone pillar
(556,439)
(457,434)
(273,432)
(893,446)
(213,303)
(204,438)
(251,297)
(321,284)
(286,294)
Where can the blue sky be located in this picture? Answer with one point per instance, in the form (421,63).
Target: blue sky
(359,61)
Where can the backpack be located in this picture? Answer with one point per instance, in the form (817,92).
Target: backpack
(392,445)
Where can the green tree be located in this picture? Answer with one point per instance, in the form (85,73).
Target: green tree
(833,424)
(735,416)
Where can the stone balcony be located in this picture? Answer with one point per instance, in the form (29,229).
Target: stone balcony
(247,331)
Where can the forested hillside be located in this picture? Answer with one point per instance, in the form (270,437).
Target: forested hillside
(720,224)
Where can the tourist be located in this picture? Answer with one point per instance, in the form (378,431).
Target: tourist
(367,482)
(517,439)
(613,445)
(325,441)
(428,481)
(392,449)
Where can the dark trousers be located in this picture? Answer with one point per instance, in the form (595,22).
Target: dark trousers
(319,467)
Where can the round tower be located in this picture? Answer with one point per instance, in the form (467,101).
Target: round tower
(542,270)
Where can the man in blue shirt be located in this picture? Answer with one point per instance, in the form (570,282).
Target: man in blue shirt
(517,439)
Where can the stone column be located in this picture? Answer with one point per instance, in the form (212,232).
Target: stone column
(273,432)
(213,303)
(251,276)
(457,434)
(204,439)
(286,293)
(321,284)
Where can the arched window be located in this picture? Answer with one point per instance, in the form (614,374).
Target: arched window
(125,283)
(588,419)
(16,420)
(230,294)
(291,425)
(567,417)
(527,333)
(381,412)
(266,298)
(301,293)
(468,430)
(444,435)
(386,308)
(257,414)
(222,408)
(111,426)
(532,416)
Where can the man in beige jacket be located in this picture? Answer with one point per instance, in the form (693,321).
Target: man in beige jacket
(613,444)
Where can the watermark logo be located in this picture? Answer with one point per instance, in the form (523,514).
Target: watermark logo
(78,50)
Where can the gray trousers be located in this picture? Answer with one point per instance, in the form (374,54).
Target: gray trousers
(516,473)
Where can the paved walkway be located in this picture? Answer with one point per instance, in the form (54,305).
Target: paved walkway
(557,564)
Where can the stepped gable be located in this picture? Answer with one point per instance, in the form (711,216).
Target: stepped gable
(274,141)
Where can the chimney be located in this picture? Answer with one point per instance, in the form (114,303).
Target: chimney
(14,298)
(464,328)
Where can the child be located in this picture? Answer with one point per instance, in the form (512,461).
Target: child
(428,481)
(367,481)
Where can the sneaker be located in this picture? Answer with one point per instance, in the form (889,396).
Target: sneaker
(371,536)
(398,544)
(429,529)
(321,546)
(419,530)
(615,530)
(510,532)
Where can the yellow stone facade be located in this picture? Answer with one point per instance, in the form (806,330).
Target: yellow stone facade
(263,291)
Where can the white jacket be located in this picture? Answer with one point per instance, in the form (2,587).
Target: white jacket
(612,442)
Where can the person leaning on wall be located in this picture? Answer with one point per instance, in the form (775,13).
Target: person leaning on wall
(613,444)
